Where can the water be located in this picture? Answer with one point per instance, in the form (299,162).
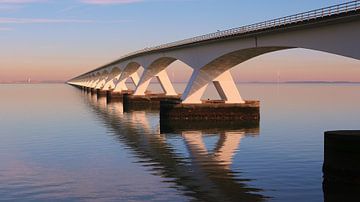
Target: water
(60,144)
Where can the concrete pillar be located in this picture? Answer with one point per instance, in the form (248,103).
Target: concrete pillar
(120,84)
(162,77)
(195,89)
(165,83)
(88,83)
(110,81)
(94,83)
(101,82)
(227,89)
(222,80)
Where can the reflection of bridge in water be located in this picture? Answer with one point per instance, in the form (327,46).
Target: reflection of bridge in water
(203,175)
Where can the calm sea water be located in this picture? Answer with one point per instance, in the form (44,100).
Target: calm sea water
(60,144)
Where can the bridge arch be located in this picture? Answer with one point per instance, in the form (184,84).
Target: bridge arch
(103,75)
(130,70)
(90,79)
(157,69)
(95,80)
(112,76)
(218,72)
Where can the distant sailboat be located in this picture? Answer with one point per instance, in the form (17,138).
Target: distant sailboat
(29,80)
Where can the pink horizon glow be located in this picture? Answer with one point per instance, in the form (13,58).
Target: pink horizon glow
(292,65)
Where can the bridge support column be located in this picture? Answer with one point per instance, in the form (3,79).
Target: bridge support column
(231,108)
(223,82)
(101,83)
(227,89)
(110,82)
(101,93)
(121,82)
(94,83)
(90,83)
(162,77)
(142,101)
(116,94)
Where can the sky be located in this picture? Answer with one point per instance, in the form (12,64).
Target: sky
(55,40)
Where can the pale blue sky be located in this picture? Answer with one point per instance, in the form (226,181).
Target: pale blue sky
(39,37)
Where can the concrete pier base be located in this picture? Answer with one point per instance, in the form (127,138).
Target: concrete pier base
(249,111)
(101,93)
(92,91)
(146,102)
(114,96)
(117,96)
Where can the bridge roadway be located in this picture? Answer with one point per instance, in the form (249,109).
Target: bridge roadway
(334,29)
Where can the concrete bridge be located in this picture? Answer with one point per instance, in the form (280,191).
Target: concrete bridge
(334,29)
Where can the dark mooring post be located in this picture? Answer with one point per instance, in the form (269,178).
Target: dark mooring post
(341,166)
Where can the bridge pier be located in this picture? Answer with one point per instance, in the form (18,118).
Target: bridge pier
(207,111)
(101,93)
(112,96)
(223,82)
(163,78)
(146,102)
(85,89)
(110,82)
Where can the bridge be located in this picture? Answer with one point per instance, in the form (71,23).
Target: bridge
(334,29)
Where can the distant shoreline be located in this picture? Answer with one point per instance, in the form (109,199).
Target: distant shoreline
(33,82)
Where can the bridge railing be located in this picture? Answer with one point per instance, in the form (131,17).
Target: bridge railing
(278,22)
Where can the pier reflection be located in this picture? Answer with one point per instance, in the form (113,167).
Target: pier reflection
(180,155)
